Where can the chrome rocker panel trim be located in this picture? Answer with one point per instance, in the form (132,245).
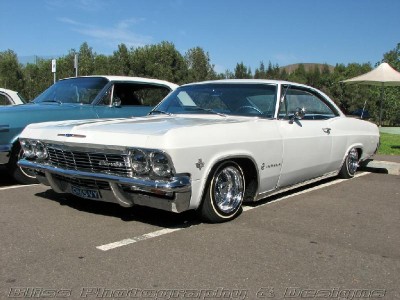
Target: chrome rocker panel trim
(142,189)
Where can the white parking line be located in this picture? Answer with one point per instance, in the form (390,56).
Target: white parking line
(139,238)
(16,186)
(164,231)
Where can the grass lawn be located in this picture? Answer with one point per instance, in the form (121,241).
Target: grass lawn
(390,144)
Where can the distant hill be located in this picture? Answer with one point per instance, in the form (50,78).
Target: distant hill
(307,66)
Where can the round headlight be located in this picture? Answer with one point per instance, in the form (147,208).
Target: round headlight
(28,148)
(140,162)
(161,165)
(40,150)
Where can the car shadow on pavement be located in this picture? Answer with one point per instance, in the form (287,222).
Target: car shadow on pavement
(136,213)
(368,166)
(5,179)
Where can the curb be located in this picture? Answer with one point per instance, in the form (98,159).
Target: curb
(377,166)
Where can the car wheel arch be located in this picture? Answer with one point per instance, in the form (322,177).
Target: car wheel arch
(18,173)
(358,147)
(250,171)
(345,174)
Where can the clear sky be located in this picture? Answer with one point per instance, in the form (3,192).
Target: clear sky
(232,31)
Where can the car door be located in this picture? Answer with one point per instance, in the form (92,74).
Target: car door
(129,99)
(307,142)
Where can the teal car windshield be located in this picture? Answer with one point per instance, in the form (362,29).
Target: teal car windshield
(256,100)
(73,90)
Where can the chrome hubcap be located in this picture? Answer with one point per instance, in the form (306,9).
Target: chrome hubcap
(352,161)
(228,189)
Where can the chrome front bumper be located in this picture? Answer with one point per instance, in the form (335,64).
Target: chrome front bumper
(171,195)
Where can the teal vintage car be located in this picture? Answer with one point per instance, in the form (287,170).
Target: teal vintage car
(88,97)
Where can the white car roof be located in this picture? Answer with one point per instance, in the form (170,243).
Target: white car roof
(136,79)
(13,94)
(268,81)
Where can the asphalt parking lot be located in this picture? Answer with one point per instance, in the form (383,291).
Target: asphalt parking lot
(335,239)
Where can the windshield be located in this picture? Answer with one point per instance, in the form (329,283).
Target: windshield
(243,99)
(74,90)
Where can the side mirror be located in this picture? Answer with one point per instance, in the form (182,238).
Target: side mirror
(298,114)
(117,102)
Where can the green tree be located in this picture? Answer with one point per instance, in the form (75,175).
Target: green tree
(199,65)
(242,72)
(120,61)
(86,59)
(102,65)
(392,57)
(11,75)
(160,61)
(65,65)
(352,97)
(37,78)
(391,104)
(273,71)
(260,73)
(299,75)
(313,77)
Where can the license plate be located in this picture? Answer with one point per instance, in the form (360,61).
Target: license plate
(85,193)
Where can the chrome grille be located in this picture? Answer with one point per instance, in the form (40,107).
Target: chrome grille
(95,162)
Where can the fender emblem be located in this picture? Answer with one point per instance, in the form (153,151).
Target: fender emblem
(200,164)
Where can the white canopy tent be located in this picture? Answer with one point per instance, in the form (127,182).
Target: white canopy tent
(383,75)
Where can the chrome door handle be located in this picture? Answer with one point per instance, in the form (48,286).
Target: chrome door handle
(327,130)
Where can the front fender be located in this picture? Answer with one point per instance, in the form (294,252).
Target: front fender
(199,185)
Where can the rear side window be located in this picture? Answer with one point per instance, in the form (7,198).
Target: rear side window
(125,93)
(4,100)
(315,106)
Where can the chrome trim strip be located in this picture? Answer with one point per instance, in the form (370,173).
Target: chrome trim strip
(179,184)
(279,190)
(4,128)
(71,135)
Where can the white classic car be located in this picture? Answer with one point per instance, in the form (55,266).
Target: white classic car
(207,146)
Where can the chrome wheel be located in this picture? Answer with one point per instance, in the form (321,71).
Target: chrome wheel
(350,164)
(352,161)
(228,189)
(225,193)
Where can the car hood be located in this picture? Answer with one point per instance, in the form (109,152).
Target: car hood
(142,132)
(36,107)
(149,125)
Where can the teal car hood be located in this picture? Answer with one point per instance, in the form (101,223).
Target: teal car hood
(13,119)
(50,106)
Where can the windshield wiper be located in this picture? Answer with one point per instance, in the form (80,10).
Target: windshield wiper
(210,111)
(160,112)
(51,100)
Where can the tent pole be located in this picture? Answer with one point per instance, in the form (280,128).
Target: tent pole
(380,108)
